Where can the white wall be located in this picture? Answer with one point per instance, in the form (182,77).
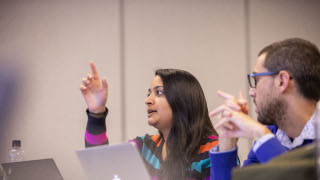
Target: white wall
(192,35)
(272,20)
(49,43)
(53,41)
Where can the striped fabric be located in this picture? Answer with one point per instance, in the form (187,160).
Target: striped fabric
(150,147)
(151,151)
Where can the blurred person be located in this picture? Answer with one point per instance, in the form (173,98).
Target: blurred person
(9,80)
(176,106)
(298,164)
(285,87)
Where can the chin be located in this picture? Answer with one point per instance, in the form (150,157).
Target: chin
(151,122)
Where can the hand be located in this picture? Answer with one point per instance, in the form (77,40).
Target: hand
(94,92)
(240,104)
(237,124)
(231,103)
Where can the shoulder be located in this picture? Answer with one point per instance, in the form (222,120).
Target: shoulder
(148,140)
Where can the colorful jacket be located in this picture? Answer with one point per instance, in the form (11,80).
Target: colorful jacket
(150,147)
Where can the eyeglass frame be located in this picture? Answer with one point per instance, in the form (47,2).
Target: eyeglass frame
(259,74)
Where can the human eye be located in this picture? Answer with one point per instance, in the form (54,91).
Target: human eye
(148,93)
(159,92)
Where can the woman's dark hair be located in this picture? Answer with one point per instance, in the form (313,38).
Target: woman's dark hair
(301,59)
(190,121)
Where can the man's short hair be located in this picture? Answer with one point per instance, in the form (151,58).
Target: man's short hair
(301,59)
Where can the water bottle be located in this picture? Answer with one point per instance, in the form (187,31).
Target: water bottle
(116,177)
(16,153)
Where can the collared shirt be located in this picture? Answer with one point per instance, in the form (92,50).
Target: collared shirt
(308,132)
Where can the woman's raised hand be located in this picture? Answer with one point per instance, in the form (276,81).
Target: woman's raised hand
(94,91)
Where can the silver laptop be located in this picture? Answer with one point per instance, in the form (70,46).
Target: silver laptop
(113,162)
(31,170)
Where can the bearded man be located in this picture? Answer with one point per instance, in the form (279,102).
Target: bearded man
(285,87)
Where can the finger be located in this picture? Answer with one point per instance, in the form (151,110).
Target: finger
(221,130)
(233,105)
(229,126)
(94,69)
(86,82)
(90,77)
(228,130)
(226,114)
(242,121)
(83,89)
(242,100)
(104,83)
(218,110)
(224,95)
(224,123)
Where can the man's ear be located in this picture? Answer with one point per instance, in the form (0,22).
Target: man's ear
(282,80)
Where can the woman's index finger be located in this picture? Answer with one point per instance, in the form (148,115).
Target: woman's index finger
(93,69)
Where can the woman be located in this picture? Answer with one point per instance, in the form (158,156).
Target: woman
(176,106)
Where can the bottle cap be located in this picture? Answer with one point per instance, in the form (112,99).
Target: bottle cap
(16,143)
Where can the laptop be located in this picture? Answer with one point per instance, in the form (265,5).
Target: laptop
(31,170)
(113,162)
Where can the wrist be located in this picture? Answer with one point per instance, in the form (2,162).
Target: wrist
(227,144)
(97,111)
(97,115)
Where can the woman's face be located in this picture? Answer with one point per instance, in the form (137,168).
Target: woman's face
(158,108)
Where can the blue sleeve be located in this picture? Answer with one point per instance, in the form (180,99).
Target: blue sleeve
(251,159)
(254,158)
(270,149)
(222,164)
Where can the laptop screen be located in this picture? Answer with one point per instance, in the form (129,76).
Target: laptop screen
(114,162)
(31,170)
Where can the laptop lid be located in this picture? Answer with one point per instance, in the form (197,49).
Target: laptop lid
(31,170)
(114,162)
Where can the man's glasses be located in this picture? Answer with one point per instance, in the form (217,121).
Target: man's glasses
(253,80)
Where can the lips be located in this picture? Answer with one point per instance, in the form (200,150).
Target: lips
(150,111)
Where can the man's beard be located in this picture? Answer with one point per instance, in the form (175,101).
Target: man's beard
(272,113)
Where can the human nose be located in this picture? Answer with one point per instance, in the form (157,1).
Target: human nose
(150,99)
(252,92)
